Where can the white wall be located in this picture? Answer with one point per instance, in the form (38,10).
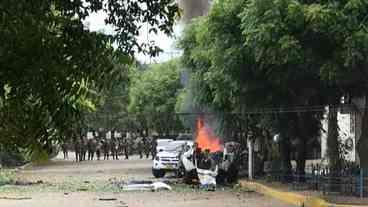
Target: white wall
(346,130)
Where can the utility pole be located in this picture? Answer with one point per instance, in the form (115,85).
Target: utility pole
(250,156)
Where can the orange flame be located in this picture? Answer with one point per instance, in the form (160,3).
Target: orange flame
(206,138)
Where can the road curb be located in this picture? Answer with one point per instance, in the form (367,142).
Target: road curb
(289,197)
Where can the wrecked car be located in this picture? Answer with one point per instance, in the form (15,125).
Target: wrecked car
(226,163)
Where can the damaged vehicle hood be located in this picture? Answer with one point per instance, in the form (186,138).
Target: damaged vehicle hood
(167,154)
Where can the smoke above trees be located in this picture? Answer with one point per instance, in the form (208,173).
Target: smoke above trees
(193,8)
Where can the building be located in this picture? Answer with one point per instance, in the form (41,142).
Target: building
(349,120)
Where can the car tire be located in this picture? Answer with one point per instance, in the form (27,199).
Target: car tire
(221,176)
(158,173)
(180,172)
(190,176)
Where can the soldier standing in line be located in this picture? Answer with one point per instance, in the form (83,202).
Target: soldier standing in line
(120,146)
(83,149)
(77,149)
(140,147)
(125,146)
(114,149)
(147,147)
(64,148)
(153,147)
(91,146)
(106,149)
(98,149)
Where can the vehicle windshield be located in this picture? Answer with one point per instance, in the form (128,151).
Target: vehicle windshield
(174,146)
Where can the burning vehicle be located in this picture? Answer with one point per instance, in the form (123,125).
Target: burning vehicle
(224,165)
(209,160)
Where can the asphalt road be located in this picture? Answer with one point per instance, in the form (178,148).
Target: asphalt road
(63,173)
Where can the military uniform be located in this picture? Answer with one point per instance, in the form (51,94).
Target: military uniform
(114,146)
(77,150)
(147,147)
(106,149)
(91,146)
(153,148)
(98,150)
(140,148)
(64,148)
(83,149)
(125,145)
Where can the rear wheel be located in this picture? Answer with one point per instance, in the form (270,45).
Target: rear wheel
(158,173)
(221,176)
(180,172)
(190,176)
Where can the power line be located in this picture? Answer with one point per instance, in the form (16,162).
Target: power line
(274,110)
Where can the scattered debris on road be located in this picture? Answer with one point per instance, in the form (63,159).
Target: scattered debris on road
(145,185)
(15,198)
(123,204)
(140,185)
(82,189)
(107,199)
(21,182)
(207,179)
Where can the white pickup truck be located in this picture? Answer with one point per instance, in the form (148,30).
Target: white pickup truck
(167,158)
(227,164)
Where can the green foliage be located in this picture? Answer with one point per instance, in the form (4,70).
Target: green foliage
(52,66)
(6,177)
(111,110)
(153,93)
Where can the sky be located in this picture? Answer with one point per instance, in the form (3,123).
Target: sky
(96,23)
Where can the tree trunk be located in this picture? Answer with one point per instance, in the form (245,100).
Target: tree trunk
(301,142)
(362,145)
(284,146)
(285,157)
(332,141)
(263,152)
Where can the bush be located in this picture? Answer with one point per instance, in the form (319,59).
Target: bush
(6,177)
(12,159)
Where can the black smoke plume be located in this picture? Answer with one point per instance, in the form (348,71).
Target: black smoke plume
(194,8)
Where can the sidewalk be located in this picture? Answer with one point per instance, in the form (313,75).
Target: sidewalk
(290,197)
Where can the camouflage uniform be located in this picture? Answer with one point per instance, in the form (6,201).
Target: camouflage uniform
(153,148)
(147,147)
(77,150)
(83,149)
(125,145)
(64,148)
(91,146)
(114,145)
(140,148)
(98,150)
(106,149)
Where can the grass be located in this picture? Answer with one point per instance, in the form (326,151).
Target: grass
(6,177)
(65,187)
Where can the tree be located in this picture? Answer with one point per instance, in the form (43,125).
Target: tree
(49,61)
(331,40)
(111,109)
(153,95)
(243,57)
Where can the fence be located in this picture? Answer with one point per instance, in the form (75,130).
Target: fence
(352,181)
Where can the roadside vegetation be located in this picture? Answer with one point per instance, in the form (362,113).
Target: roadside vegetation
(58,79)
